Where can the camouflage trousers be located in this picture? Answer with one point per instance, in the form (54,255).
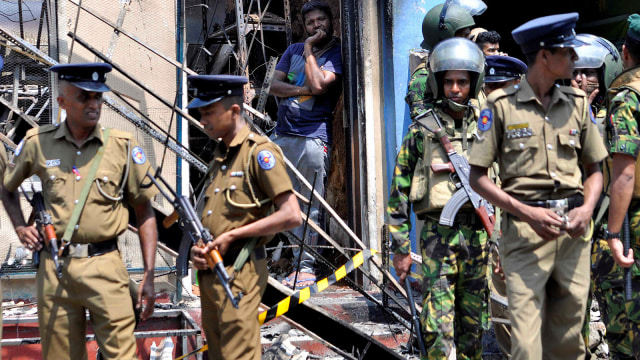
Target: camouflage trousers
(621,317)
(456,291)
(608,288)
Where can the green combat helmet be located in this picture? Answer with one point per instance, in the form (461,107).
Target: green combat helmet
(442,21)
(456,54)
(599,54)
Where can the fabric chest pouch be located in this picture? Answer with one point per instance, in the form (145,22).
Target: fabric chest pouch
(107,186)
(236,197)
(55,185)
(519,156)
(568,152)
(438,187)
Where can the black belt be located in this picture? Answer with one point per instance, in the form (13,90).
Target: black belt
(90,249)
(572,202)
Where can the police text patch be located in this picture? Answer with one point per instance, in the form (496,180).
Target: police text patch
(486,118)
(138,155)
(52,163)
(266,159)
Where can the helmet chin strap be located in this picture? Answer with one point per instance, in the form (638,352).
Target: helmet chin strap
(454,106)
(457,107)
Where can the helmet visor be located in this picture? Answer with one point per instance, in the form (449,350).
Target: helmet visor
(457,54)
(590,57)
(475,7)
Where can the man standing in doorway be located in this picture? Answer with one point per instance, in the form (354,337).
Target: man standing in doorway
(307,78)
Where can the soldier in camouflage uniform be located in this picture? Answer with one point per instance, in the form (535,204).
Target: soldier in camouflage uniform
(597,65)
(457,22)
(623,140)
(454,259)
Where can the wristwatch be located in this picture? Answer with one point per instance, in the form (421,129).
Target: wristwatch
(609,235)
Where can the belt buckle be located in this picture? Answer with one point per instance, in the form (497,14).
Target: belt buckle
(560,207)
(78,250)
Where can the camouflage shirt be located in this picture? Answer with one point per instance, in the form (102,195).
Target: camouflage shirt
(625,116)
(419,96)
(398,207)
(409,160)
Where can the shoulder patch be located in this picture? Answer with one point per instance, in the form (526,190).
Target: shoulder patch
(485,120)
(138,156)
(18,149)
(266,160)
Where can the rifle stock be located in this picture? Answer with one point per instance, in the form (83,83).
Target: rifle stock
(488,221)
(170,220)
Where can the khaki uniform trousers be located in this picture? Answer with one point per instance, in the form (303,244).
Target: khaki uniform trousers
(99,284)
(547,288)
(499,286)
(234,334)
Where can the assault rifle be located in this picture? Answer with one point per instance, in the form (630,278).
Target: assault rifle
(415,318)
(45,226)
(198,235)
(459,167)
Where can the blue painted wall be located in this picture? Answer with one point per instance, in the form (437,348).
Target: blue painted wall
(402,32)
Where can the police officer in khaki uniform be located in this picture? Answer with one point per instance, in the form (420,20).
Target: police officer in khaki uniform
(248,197)
(501,72)
(540,133)
(93,276)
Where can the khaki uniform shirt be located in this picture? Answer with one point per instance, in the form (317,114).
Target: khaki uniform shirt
(538,153)
(249,171)
(50,153)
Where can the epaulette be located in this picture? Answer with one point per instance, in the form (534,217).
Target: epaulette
(500,93)
(117,133)
(421,67)
(257,139)
(40,130)
(569,90)
(620,95)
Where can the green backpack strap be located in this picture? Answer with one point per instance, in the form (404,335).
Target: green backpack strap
(75,216)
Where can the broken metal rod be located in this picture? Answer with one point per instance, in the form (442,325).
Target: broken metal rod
(132,37)
(97,53)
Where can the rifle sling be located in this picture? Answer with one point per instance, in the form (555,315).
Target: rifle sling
(75,216)
(604,205)
(244,254)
